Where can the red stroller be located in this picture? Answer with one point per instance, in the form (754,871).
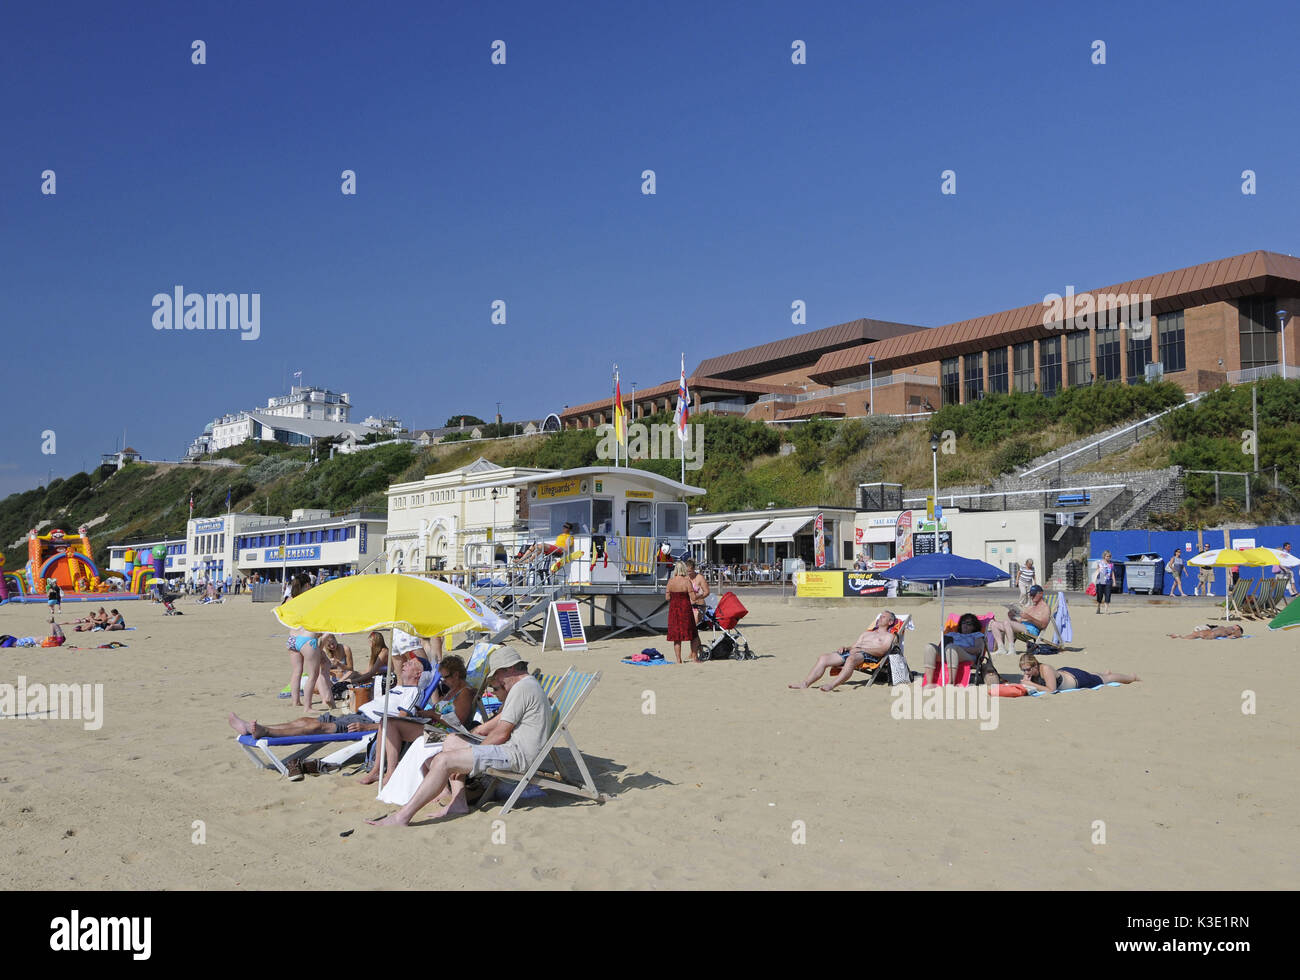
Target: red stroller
(730,643)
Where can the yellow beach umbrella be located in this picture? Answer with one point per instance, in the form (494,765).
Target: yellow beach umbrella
(361,603)
(1228,557)
(1272,556)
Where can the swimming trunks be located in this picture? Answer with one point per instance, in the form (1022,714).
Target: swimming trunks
(1082,678)
(1030,628)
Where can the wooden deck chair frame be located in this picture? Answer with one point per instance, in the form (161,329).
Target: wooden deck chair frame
(568,697)
(1267,596)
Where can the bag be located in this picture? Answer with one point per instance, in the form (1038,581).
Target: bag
(1169,566)
(1091,589)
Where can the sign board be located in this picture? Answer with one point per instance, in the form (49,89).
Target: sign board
(864,583)
(558,488)
(641,494)
(567,621)
(362,533)
(929,508)
(819,585)
(1241,544)
(923,542)
(857,536)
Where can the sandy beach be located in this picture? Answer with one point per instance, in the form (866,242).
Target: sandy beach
(708,791)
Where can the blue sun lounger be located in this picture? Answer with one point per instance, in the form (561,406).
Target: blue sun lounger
(308,744)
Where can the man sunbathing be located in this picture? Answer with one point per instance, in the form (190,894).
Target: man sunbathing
(415,684)
(1034,617)
(1208,632)
(509,742)
(873,644)
(563,542)
(94,621)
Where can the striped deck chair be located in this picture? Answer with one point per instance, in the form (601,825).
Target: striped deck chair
(1237,599)
(566,698)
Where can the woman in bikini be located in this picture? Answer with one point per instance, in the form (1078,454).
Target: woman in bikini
(304,655)
(1041,677)
(456,698)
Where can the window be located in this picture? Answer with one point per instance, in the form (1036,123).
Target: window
(1049,364)
(1173,343)
(1108,355)
(1078,358)
(950,381)
(1139,350)
(974,377)
(1257,322)
(1022,356)
(998,371)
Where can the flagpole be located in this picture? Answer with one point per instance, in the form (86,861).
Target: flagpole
(683,441)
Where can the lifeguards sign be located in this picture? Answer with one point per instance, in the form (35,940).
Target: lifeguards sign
(558,488)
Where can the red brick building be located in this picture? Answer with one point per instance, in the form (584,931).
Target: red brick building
(1198,327)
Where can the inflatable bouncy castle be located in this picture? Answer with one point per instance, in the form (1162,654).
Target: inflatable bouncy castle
(61,558)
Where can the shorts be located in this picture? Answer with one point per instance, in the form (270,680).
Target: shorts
(342,721)
(1030,628)
(489,757)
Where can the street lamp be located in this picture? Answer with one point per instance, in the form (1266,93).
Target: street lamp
(1281,326)
(871,384)
(934,453)
(493,536)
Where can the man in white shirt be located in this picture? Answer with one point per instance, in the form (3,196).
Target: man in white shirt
(510,741)
(414,686)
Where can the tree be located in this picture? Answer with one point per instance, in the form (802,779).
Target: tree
(457,420)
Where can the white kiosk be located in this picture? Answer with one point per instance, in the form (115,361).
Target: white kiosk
(627,523)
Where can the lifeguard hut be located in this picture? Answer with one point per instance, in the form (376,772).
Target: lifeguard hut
(628,524)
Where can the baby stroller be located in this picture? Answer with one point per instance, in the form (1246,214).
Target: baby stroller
(723,616)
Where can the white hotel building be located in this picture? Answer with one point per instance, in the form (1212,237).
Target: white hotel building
(433,523)
(306,413)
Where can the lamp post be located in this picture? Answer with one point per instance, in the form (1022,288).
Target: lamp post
(1281,326)
(496,492)
(934,454)
(871,384)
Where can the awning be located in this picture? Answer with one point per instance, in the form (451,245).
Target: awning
(739,532)
(877,535)
(784,528)
(703,531)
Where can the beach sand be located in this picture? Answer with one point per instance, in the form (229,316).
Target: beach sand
(711,790)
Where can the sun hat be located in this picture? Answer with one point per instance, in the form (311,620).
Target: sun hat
(502,658)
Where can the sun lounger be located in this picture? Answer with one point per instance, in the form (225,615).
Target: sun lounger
(566,698)
(307,744)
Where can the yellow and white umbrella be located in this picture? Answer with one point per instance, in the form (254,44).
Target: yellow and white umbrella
(361,603)
(1228,557)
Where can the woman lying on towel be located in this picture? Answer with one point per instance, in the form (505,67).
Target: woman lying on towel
(456,699)
(1208,632)
(1041,677)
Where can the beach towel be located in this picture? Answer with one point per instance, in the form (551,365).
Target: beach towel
(637,553)
(1037,694)
(1063,628)
(644,661)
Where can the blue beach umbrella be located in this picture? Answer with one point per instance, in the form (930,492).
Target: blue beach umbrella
(940,569)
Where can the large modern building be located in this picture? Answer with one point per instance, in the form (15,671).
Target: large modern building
(1200,327)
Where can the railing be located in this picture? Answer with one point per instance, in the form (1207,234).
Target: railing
(1259,373)
(734,407)
(892,379)
(1044,492)
(1149,420)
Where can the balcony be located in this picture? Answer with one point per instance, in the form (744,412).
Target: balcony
(806,396)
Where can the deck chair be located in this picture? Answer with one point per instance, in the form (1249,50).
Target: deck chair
(566,698)
(1237,599)
(1266,598)
(307,744)
(896,672)
(1048,631)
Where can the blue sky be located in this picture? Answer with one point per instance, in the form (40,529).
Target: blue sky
(522,182)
